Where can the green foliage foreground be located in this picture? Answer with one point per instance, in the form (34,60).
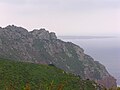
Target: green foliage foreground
(28,76)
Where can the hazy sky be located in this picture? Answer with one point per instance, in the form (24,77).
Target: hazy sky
(65,17)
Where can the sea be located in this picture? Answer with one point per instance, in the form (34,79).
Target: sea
(105,49)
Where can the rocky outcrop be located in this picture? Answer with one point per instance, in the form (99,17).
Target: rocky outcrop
(43,47)
(108,82)
(43,34)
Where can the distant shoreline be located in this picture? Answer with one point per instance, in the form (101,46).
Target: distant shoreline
(86,37)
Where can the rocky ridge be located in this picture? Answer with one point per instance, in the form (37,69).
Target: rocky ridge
(43,47)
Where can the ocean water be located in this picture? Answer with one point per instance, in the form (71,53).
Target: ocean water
(106,50)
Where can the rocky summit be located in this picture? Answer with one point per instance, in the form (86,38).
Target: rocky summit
(43,47)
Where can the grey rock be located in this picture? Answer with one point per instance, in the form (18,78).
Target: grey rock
(53,36)
(43,47)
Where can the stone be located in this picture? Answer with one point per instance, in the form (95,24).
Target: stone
(42,47)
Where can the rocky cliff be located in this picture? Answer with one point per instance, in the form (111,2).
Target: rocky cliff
(43,47)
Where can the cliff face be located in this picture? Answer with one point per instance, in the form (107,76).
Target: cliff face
(43,47)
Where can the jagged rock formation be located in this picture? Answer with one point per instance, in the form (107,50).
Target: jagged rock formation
(40,46)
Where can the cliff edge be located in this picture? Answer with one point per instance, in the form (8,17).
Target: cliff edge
(43,47)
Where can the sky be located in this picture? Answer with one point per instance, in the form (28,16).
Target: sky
(64,17)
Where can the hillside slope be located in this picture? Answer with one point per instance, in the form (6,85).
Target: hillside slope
(43,47)
(28,76)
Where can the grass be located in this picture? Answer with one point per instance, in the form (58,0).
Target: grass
(28,76)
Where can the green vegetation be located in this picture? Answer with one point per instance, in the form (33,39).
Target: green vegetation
(28,76)
(118,88)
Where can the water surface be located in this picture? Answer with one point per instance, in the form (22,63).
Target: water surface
(104,49)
